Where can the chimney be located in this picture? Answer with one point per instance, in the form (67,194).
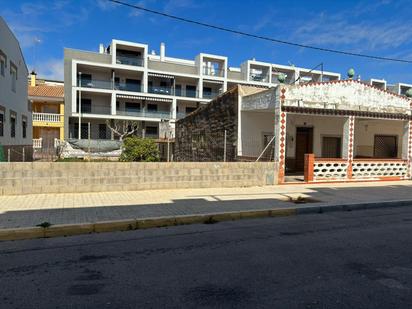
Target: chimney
(101,48)
(33,79)
(162,51)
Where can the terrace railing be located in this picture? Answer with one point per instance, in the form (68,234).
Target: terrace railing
(336,169)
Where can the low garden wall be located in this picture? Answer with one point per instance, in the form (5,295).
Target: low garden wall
(67,177)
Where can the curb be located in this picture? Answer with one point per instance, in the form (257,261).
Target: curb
(155,222)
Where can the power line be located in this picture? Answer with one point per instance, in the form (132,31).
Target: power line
(199,23)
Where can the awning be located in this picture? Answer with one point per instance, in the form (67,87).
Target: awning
(135,97)
(161,75)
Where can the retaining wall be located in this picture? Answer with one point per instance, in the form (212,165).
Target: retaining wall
(66,177)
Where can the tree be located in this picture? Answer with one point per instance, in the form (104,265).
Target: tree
(122,128)
(139,149)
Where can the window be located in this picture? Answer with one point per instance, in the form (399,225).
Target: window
(385,146)
(3,61)
(207,92)
(13,73)
(151,130)
(102,131)
(190,109)
(85,131)
(1,123)
(24,127)
(132,84)
(178,89)
(132,107)
(13,125)
(86,106)
(190,91)
(152,107)
(331,147)
(86,80)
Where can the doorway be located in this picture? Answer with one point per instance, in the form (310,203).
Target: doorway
(304,145)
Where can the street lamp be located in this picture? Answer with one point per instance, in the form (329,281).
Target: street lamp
(80,106)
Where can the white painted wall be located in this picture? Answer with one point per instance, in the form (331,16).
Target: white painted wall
(365,131)
(322,126)
(10,100)
(254,126)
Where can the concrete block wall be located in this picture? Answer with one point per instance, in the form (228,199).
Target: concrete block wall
(71,177)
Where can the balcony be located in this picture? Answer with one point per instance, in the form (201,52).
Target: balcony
(96,84)
(259,78)
(211,95)
(187,93)
(130,60)
(128,87)
(145,114)
(213,71)
(161,90)
(46,117)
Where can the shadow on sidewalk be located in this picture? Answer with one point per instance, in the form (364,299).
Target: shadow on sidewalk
(200,205)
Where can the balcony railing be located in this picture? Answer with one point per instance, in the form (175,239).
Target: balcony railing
(187,93)
(129,60)
(37,143)
(128,87)
(161,90)
(146,114)
(94,83)
(96,109)
(259,78)
(211,95)
(212,71)
(46,117)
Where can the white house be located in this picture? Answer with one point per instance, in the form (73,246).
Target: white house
(331,131)
(15,110)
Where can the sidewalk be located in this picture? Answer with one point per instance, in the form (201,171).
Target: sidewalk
(30,210)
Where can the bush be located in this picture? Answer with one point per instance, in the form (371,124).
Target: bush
(139,149)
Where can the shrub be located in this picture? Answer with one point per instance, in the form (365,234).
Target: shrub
(139,149)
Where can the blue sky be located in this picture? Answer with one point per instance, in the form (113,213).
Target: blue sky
(380,27)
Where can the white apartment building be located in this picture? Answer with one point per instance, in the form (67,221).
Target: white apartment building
(126,81)
(15,112)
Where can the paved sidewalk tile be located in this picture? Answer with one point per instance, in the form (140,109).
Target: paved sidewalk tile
(66,208)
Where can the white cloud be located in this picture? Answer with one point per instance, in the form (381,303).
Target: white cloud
(337,30)
(50,69)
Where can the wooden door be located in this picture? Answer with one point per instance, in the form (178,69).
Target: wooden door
(304,144)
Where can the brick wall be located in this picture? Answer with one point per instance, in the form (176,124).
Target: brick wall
(200,135)
(65,177)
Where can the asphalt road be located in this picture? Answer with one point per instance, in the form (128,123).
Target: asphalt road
(359,259)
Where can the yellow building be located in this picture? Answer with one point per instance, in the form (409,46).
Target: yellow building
(47,100)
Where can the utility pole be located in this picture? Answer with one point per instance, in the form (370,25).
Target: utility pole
(80,105)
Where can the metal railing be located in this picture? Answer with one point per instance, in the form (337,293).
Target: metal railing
(160,90)
(129,60)
(147,114)
(211,95)
(95,83)
(259,78)
(46,117)
(128,87)
(187,93)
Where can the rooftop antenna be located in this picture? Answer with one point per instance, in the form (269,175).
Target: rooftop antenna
(36,41)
